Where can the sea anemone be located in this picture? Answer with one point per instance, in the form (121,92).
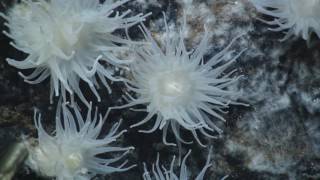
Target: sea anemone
(69,40)
(161,173)
(180,88)
(299,17)
(74,152)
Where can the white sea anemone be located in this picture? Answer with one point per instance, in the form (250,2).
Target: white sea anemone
(299,17)
(161,173)
(180,88)
(74,152)
(69,40)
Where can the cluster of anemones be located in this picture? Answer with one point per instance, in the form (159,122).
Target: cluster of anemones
(74,40)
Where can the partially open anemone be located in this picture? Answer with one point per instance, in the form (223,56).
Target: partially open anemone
(69,40)
(180,88)
(74,151)
(161,173)
(298,17)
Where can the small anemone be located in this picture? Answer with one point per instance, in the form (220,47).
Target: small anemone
(298,17)
(161,173)
(74,151)
(181,88)
(69,41)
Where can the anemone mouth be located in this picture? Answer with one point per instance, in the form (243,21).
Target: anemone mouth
(306,9)
(69,43)
(173,88)
(73,161)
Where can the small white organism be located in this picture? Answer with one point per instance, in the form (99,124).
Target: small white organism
(298,17)
(180,88)
(74,152)
(69,41)
(161,173)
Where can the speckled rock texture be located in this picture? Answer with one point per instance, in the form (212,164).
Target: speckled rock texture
(276,138)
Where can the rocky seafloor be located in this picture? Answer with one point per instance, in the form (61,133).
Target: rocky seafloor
(276,137)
